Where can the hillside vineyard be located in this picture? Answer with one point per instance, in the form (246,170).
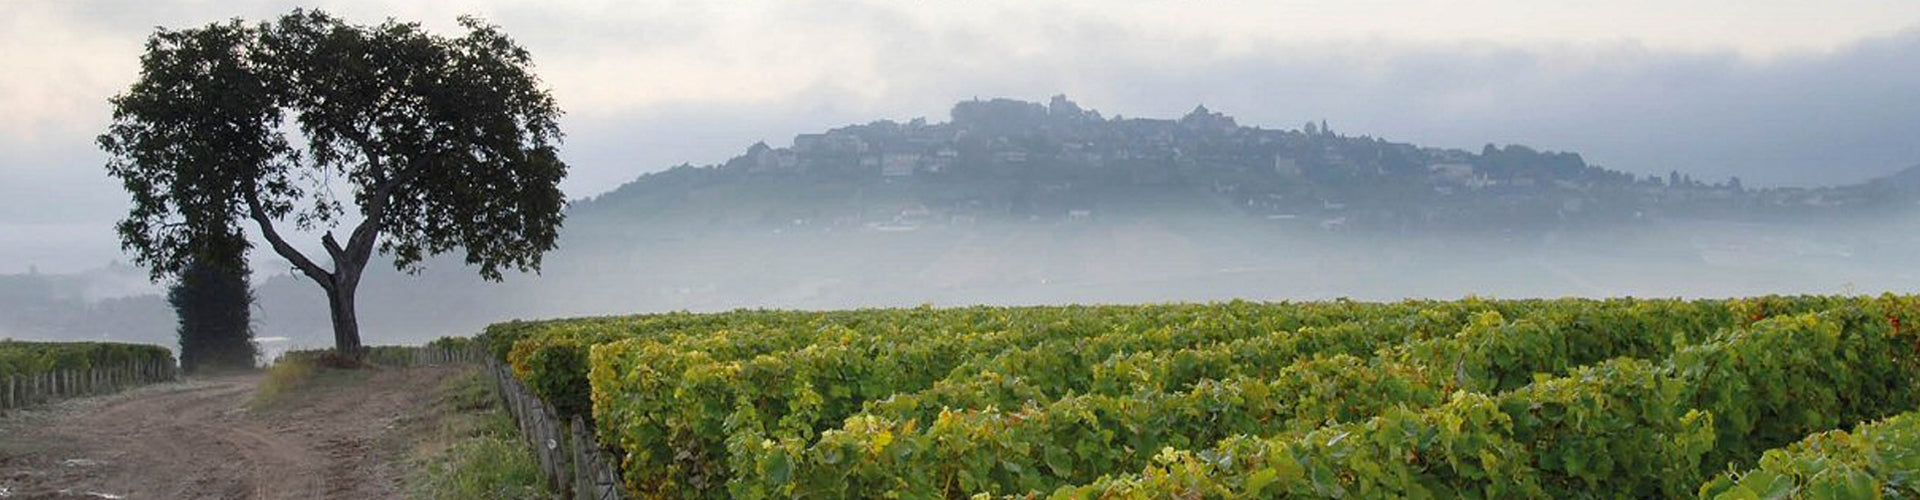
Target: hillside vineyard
(1571,398)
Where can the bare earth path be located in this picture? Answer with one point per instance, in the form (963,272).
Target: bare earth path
(196,439)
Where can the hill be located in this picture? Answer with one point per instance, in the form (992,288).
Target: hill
(1009,160)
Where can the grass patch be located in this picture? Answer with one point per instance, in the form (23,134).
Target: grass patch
(470,447)
(291,376)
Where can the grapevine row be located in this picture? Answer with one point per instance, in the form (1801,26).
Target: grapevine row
(1624,428)
(1077,438)
(756,403)
(21,359)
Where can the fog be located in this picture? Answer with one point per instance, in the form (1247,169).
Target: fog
(1163,260)
(1156,258)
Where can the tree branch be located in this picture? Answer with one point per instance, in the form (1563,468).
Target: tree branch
(280,246)
(360,243)
(333,248)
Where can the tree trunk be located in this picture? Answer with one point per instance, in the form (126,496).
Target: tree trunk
(346,324)
(348,262)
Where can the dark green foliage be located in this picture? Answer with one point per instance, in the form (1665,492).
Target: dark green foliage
(453,343)
(444,143)
(214,305)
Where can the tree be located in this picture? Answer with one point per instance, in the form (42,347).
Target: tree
(212,301)
(435,143)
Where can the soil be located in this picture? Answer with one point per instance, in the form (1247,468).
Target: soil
(198,439)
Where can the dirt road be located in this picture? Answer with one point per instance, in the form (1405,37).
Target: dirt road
(197,439)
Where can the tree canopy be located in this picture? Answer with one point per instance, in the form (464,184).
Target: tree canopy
(435,144)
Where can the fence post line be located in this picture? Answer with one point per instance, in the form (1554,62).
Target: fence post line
(579,470)
(582,486)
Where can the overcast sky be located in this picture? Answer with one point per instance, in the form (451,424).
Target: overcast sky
(1776,92)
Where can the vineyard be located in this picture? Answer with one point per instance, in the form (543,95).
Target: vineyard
(1748,398)
(37,372)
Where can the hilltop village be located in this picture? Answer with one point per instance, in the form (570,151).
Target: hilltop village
(1005,159)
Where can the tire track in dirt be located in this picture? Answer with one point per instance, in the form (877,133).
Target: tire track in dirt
(197,440)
